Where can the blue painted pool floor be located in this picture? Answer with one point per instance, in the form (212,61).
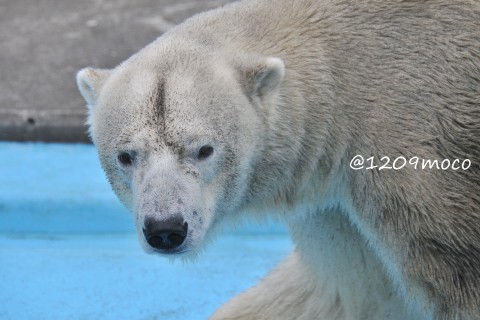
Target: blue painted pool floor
(68,248)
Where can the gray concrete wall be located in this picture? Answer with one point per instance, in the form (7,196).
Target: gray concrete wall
(44,42)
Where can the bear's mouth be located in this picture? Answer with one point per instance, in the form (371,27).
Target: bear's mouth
(171,252)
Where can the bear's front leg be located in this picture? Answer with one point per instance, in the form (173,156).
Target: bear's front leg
(288,292)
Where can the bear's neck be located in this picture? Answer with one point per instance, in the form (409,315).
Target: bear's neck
(347,269)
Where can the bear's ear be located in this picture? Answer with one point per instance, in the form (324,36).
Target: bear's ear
(89,82)
(263,77)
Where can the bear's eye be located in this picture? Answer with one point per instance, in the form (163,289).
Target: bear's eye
(125,158)
(205,152)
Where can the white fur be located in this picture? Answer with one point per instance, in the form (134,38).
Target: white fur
(287,92)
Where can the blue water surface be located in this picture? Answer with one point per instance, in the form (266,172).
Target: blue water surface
(68,249)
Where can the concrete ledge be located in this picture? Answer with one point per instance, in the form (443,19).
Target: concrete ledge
(44,43)
(43,125)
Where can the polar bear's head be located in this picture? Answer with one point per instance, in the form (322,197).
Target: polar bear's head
(178,134)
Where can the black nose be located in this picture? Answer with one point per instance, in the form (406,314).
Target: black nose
(167,234)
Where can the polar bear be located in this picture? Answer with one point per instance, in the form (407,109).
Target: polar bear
(266,108)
